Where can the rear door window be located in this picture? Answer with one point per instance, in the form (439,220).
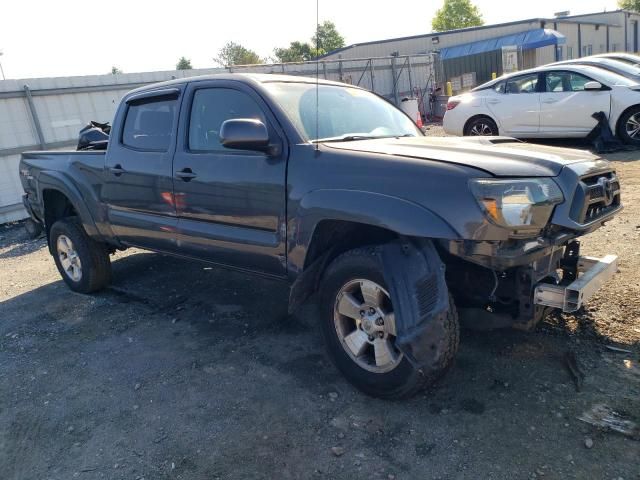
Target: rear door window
(565,82)
(149,124)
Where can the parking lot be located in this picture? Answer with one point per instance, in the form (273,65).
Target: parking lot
(181,370)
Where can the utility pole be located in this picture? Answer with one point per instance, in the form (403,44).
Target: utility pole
(1,69)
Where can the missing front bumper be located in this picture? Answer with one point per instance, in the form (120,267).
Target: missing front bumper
(592,274)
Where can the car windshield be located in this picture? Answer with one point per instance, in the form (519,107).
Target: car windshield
(343,113)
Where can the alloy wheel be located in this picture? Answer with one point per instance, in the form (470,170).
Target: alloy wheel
(365,324)
(69,258)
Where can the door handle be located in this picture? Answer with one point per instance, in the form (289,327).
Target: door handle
(186,174)
(493,102)
(549,100)
(117,170)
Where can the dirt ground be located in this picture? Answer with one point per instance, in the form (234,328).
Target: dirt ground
(182,371)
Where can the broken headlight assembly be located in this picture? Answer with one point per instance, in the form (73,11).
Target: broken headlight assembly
(522,205)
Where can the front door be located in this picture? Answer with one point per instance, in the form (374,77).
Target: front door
(516,105)
(138,185)
(230,203)
(566,108)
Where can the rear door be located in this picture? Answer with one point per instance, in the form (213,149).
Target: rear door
(516,105)
(230,203)
(138,185)
(566,107)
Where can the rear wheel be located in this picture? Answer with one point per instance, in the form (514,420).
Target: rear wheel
(481,127)
(629,126)
(359,327)
(82,262)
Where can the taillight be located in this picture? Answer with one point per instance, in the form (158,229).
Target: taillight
(451,104)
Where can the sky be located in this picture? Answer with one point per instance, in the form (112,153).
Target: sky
(45,38)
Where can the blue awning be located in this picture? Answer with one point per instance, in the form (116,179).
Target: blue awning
(540,37)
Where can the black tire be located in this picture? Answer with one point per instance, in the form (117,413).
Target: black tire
(95,271)
(624,132)
(481,126)
(403,381)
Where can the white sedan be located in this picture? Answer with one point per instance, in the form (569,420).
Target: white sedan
(546,102)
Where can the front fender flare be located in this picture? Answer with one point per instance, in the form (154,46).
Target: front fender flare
(393,213)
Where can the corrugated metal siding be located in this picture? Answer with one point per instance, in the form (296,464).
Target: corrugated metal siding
(483,64)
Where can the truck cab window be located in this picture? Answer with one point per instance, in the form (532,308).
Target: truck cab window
(148,125)
(211,108)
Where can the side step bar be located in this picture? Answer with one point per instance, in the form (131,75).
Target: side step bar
(595,272)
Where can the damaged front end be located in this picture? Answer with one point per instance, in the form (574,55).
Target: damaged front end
(521,293)
(517,281)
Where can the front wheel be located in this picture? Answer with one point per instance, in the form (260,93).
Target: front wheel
(82,262)
(629,127)
(481,127)
(359,327)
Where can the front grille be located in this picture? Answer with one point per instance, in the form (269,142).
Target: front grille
(596,196)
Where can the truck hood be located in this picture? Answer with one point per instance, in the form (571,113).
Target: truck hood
(498,156)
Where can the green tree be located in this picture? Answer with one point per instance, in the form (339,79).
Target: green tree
(115,70)
(184,64)
(235,54)
(295,52)
(327,38)
(633,5)
(456,14)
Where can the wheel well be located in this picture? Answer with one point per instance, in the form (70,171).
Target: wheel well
(56,206)
(337,236)
(637,107)
(475,117)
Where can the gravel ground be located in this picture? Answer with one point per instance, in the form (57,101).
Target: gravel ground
(181,371)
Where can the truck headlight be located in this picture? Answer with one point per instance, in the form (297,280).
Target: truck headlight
(517,203)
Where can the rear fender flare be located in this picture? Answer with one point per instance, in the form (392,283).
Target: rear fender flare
(50,180)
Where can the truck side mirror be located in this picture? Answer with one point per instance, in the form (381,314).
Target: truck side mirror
(245,134)
(593,85)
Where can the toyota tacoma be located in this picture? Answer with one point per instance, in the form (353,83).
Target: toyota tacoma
(397,237)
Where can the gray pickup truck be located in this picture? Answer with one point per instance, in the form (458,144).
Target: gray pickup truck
(334,190)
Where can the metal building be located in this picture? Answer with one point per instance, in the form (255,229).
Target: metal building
(477,50)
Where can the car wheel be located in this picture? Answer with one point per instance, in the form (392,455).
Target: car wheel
(359,328)
(82,262)
(482,127)
(629,127)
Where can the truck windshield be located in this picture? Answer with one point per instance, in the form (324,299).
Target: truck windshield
(343,113)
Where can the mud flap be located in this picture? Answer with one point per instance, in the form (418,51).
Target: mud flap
(602,138)
(415,276)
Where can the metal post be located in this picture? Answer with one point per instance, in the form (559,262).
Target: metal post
(373,85)
(410,75)
(395,81)
(34,116)
(324,69)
